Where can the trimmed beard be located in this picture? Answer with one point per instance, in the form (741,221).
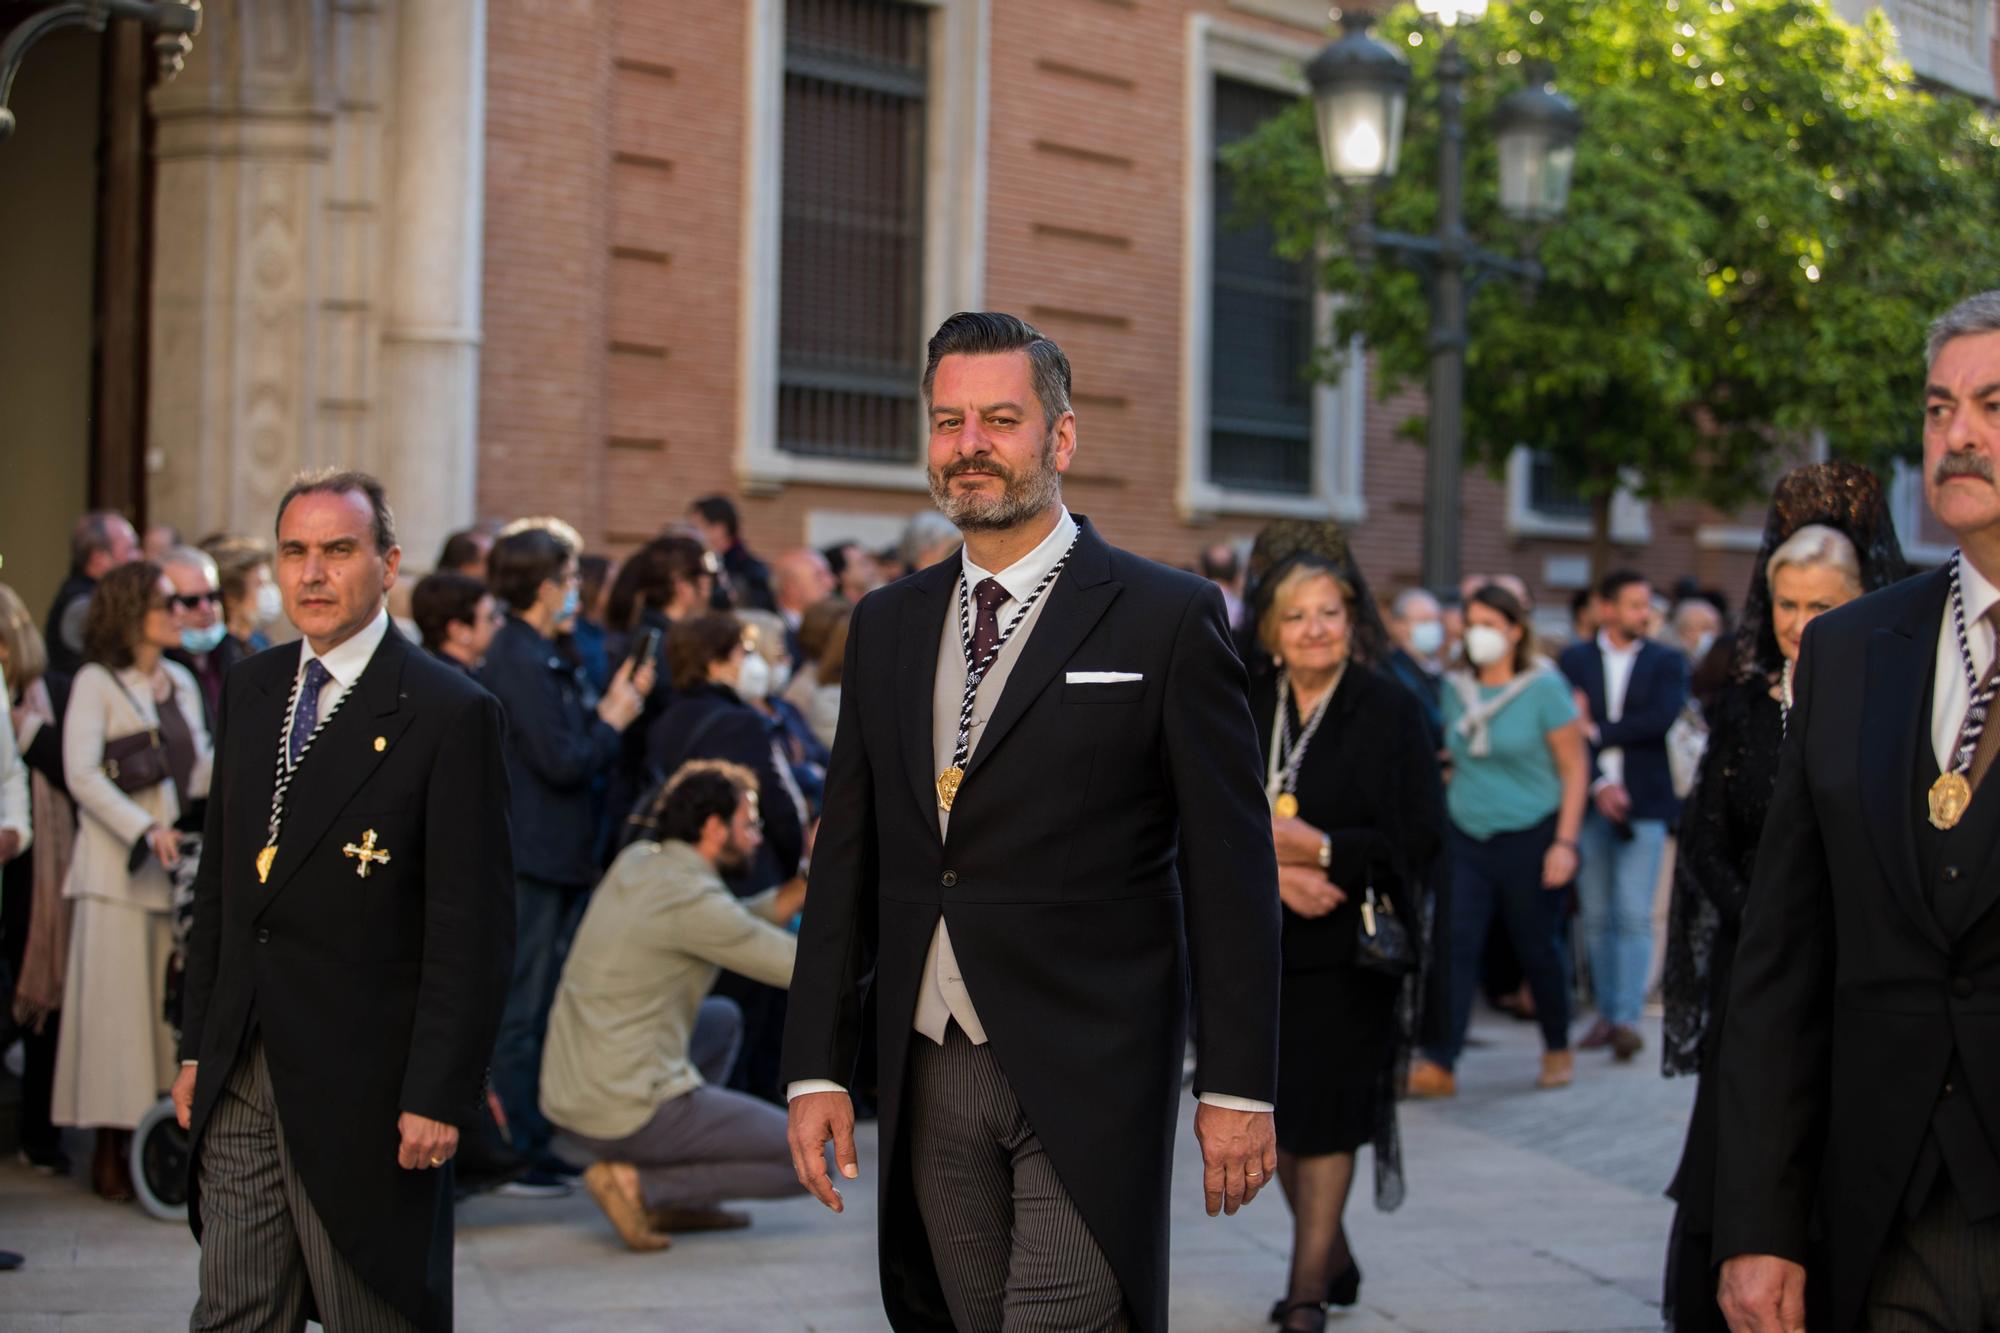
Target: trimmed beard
(1028,494)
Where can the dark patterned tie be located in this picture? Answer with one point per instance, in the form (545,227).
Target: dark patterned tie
(305,716)
(986,599)
(1989,739)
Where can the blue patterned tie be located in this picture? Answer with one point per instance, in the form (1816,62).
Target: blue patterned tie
(305,717)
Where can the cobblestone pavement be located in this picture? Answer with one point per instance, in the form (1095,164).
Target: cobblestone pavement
(1527,1212)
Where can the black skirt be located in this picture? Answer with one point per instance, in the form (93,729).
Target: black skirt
(1336,1042)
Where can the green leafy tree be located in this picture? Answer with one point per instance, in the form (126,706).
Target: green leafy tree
(1766,213)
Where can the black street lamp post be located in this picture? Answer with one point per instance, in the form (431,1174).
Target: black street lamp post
(1360,93)
(173,24)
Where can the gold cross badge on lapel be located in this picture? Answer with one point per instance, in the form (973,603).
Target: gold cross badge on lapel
(366,853)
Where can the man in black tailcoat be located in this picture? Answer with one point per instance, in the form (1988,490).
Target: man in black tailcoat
(1036,869)
(353,932)
(1859,1126)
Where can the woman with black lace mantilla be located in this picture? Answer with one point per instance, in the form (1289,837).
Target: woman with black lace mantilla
(1827,540)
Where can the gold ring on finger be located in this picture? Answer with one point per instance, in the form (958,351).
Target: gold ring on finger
(437,1161)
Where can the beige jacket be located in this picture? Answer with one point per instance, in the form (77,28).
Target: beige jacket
(658,929)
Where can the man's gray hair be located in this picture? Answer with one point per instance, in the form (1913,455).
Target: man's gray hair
(342,481)
(988,332)
(1974,315)
(191,557)
(1410,597)
(926,531)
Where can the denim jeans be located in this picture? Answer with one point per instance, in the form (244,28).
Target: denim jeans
(1503,874)
(545,920)
(1614,888)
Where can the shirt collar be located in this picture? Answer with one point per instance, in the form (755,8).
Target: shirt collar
(1025,574)
(1975,590)
(348,659)
(1604,644)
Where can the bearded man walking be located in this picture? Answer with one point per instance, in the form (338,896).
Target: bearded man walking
(1043,822)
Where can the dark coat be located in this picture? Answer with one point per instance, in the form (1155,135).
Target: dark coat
(1654,697)
(1369,782)
(374,996)
(66,659)
(711,722)
(1109,840)
(557,748)
(1852,992)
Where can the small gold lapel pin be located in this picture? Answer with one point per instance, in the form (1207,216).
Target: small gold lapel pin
(366,853)
(381,744)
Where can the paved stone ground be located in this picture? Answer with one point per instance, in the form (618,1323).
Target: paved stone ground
(1528,1212)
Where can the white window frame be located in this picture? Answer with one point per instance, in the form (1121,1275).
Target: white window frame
(1338,425)
(1631,517)
(955,151)
(1906,510)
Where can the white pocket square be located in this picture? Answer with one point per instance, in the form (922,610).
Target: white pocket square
(1101,677)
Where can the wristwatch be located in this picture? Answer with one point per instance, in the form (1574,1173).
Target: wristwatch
(1325,853)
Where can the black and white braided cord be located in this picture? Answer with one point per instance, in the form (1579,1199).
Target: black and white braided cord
(1982,693)
(285,765)
(976,670)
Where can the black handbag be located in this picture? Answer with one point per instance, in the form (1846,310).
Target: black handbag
(1382,942)
(137,761)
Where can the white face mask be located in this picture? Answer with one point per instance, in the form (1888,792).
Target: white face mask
(754,680)
(1426,637)
(270,605)
(781,676)
(1485,645)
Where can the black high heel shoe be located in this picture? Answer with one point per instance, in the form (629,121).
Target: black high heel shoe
(1345,1289)
(1286,1309)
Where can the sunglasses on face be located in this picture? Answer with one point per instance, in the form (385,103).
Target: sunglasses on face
(188,601)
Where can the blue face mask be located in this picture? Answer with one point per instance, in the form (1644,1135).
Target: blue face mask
(200,641)
(572,602)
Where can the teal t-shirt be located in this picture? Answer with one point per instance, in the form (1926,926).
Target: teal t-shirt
(1515,785)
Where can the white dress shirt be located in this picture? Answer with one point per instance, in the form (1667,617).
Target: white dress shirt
(941,993)
(1618,663)
(14,801)
(344,663)
(1949,692)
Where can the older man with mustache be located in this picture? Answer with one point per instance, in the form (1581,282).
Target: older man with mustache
(1860,1075)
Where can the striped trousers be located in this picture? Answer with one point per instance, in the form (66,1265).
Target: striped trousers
(265,1256)
(1939,1271)
(1012,1253)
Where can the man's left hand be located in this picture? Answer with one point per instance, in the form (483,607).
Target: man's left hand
(1239,1151)
(426,1143)
(1296,842)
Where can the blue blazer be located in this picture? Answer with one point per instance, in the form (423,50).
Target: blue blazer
(1653,699)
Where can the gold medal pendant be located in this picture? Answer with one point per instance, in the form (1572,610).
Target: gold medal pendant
(947,787)
(1949,797)
(264,859)
(1286,806)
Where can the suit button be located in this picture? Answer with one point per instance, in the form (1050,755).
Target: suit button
(949,879)
(1962,987)
(1951,874)
(263,936)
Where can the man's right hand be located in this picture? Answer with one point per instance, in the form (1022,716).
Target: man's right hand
(1613,802)
(183,1095)
(1761,1293)
(817,1118)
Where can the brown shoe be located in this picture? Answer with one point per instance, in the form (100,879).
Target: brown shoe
(1558,1069)
(696,1219)
(615,1186)
(1626,1043)
(1430,1079)
(111,1166)
(1597,1038)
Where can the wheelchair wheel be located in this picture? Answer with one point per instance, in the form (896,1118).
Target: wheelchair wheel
(160,1163)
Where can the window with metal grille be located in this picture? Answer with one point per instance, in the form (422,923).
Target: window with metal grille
(851,251)
(1551,491)
(1261,329)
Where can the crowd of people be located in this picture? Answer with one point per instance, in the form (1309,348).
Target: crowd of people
(1454,807)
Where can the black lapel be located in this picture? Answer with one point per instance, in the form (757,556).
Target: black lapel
(1077,601)
(340,761)
(926,602)
(1893,723)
